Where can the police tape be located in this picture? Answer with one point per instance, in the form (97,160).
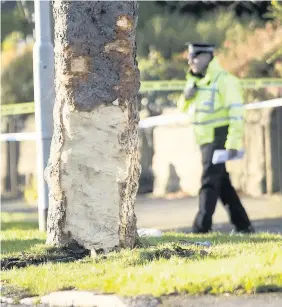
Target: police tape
(18,137)
(261,83)
(180,118)
(147,86)
(153,121)
(272,103)
(178,85)
(17,108)
(173,85)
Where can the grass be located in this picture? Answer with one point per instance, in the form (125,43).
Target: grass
(233,264)
(19,233)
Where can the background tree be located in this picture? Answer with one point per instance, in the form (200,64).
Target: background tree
(16,73)
(16,16)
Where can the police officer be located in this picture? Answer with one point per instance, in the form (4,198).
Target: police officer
(215,98)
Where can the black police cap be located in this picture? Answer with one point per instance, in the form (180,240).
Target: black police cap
(194,48)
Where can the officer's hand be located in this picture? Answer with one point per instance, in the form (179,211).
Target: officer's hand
(232,153)
(189,92)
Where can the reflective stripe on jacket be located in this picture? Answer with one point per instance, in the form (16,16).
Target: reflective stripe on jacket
(218,102)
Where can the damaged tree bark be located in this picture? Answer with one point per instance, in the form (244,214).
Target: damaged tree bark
(93,168)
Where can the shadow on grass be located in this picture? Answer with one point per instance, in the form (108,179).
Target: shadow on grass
(214,238)
(17,246)
(39,254)
(272,225)
(14,292)
(268,288)
(183,246)
(20,225)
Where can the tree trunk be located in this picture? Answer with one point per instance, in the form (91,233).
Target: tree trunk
(93,168)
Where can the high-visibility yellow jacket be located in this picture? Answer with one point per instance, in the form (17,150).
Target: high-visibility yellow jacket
(218,102)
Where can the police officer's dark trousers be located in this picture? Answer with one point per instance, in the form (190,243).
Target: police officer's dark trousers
(215,183)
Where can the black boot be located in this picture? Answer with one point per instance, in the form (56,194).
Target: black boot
(248,230)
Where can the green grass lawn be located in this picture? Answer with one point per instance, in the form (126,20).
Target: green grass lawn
(233,264)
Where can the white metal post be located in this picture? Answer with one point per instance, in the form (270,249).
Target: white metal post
(43,69)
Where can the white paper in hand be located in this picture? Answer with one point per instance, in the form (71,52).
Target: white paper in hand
(221,156)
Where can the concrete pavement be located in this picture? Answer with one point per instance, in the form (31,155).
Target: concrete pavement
(90,299)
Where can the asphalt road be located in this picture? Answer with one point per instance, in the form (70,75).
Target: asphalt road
(178,214)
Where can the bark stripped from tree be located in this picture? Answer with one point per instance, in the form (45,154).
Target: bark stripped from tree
(93,169)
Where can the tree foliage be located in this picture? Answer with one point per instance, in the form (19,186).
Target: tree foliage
(14,18)
(169,32)
(246,52)
(17,70)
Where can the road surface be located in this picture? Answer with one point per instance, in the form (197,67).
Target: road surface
(178,214)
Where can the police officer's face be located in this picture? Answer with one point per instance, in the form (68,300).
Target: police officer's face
(199,63)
